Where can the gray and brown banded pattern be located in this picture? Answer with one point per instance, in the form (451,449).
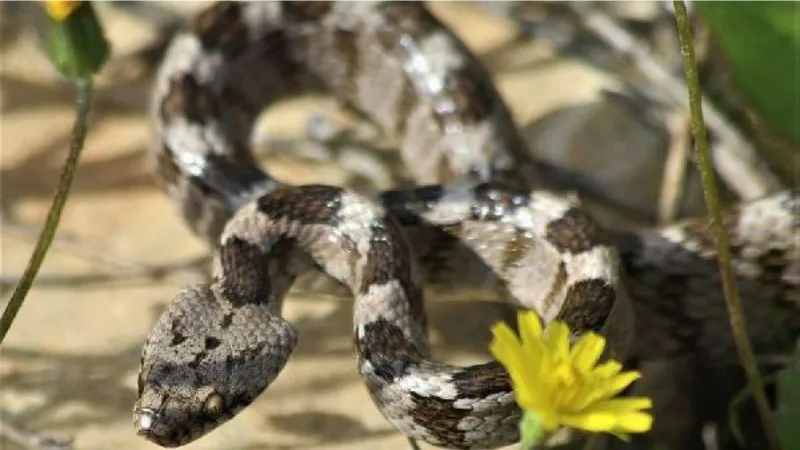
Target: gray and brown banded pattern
(479,221)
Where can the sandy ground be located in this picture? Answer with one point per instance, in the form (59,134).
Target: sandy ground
(69,364)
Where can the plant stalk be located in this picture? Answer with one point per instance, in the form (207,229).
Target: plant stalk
(78,136)
(729,287)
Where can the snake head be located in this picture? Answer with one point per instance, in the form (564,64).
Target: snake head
(204,361)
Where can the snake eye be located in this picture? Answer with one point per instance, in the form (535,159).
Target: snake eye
(213,405)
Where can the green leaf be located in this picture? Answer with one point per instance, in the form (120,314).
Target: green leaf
(761,40)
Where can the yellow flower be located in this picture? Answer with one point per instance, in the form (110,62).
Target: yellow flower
(565,386)
(60,10)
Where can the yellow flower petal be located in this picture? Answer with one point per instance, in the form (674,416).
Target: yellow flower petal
(623,404)
(632,422)
(507,350)
(526,393)
(556,340)
(620,382)
(596,422)
(607,370)
(637,422)
(504,341)
(587,351)
(530,328)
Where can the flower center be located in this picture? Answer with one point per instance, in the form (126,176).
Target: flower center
(567,383)
(565,375)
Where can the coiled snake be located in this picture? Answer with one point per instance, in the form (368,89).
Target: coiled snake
(479,220)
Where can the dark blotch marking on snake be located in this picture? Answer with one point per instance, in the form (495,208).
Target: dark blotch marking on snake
(177,339)
(309,205)
(178,336)
(439,415)
(407,206)
(243,267)
(211,343)
(221,27)
(440,418)
(229,175)
(227,320)
(305,11)
(198,358)
(587,304)
(187,97)
(478,381)
(575,232)
(403,19)
(473,98)
(381,265)
(387,349)
(387,256)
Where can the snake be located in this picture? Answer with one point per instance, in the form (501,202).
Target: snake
(481,217)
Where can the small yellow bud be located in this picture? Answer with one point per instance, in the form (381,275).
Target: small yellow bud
(60,10)
(75,39)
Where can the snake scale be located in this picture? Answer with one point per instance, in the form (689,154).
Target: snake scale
(481,218)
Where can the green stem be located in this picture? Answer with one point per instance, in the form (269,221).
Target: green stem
(732,300)
(54,215)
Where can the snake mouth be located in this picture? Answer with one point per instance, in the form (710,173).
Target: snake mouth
(150,425)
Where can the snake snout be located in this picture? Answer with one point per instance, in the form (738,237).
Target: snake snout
(150,425)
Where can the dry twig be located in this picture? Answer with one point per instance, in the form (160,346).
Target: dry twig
(674,169)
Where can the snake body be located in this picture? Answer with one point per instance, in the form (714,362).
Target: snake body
(479,220)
